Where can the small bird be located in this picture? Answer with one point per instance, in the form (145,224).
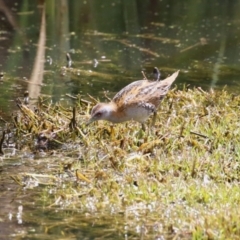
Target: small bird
(137,101)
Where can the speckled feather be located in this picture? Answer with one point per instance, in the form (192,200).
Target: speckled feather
(136,101)
(144,91)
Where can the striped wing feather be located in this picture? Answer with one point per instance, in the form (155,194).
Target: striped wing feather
(144,91)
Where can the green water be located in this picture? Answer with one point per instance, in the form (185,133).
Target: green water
(110,43)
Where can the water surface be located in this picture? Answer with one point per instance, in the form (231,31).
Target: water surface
(110,43)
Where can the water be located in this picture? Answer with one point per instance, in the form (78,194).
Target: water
(110,43)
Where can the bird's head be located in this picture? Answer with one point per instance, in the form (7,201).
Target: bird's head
(102,111)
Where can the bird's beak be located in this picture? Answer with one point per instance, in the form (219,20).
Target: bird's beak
(90,120)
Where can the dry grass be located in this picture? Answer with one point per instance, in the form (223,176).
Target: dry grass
(178,180)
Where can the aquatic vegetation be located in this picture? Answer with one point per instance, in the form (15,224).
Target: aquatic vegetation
(178,179)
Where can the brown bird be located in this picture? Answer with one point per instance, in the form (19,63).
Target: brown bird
(137,101)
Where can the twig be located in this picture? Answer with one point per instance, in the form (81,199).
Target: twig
(92,98)
(1,143)
(144,76)
(199,134)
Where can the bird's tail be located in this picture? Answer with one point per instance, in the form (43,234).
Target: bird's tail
(169,80)
(166,83)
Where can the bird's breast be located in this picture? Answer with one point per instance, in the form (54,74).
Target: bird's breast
(139,112)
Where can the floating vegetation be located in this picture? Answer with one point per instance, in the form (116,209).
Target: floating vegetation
(177,180)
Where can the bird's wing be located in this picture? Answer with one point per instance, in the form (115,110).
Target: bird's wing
(128,93)
(144,91)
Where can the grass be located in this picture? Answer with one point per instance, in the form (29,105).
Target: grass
(178,180)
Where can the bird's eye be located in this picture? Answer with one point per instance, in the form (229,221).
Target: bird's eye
(99,114)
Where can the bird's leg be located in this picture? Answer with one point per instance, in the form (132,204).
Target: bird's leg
(112,132)
(141,132)
(154,118)
(143,127)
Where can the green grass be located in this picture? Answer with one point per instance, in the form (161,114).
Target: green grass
(178,180)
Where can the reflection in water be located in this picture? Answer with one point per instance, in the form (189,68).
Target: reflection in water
(36,78)
(133,36)
(219,62)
